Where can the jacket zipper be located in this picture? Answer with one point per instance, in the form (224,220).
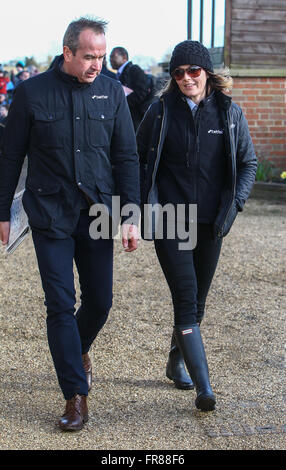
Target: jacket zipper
(197,130)
(157,156)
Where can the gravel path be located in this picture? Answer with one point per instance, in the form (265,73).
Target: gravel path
(133,405)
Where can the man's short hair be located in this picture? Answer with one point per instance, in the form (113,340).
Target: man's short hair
(121,51)
(71,36)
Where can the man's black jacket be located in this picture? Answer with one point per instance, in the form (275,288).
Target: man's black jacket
(77,137)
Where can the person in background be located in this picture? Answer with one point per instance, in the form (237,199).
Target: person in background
(194,148)
(4,80)
(135,81)
(76,158)
(106,71)
(3,112)
(3,118)
(3,100)
(15,77)
(10,91)
(33,71)
(22,76)
(19,66)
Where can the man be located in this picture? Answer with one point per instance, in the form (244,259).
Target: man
(135,81)
(15,77)
(75,126)
(105,70)
(22,76)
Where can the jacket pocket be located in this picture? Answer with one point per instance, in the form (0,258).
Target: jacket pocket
(41,204)
(105,193)
(105,186)
(100,127)
(48,129)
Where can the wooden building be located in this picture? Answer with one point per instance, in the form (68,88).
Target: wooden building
(255,35)
(254,48)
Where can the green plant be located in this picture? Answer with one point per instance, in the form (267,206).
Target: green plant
(265,170)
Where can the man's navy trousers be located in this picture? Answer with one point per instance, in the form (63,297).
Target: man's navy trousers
(70,335)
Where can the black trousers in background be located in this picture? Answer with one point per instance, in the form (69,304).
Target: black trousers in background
(71,335)
(189,273)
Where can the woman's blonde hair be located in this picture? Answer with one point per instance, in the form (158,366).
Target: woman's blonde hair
(221,81)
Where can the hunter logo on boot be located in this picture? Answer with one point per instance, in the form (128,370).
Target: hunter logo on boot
(188,331)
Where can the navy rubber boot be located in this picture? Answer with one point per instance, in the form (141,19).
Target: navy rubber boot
(191,345)
(175,369)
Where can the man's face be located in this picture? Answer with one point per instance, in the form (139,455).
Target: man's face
(86,64)
(116,60)
(25,75)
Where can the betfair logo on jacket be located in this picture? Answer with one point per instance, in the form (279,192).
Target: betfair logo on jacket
(100,97)
(217,131)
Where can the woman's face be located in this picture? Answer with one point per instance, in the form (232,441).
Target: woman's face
(193,87)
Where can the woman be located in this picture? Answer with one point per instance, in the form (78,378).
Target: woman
(195,148)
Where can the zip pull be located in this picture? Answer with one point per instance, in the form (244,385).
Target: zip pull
(188,161)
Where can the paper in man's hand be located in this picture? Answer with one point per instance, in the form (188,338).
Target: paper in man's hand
(19,227)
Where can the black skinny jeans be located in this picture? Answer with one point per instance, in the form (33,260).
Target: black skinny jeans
(189,273)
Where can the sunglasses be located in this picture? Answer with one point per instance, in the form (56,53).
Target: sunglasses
(192,72)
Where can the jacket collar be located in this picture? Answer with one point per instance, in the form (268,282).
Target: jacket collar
(122,67)
(57,67)
(223,101)
(126,68)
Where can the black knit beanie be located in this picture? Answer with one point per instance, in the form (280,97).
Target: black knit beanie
(193,53)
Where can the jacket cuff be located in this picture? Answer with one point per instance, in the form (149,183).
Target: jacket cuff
(239,205)
(135,220)
(5,216)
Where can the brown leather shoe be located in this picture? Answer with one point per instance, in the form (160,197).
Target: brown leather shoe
(76,414)
(88,369)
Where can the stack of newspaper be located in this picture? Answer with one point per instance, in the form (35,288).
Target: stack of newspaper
(19,227)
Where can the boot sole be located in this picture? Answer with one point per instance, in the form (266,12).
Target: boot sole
(181,385)
(205,403)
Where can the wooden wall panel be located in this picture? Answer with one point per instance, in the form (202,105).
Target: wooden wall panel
(258,14)
(256,34)
(265,4)
(256,26)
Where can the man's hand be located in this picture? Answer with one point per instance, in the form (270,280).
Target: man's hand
(4,232)
(130,236)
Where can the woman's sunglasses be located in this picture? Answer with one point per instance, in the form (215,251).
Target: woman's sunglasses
(192,72)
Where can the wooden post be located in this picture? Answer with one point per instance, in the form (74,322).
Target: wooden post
(213,24)
(201,20)
(189,19)
(227,33)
